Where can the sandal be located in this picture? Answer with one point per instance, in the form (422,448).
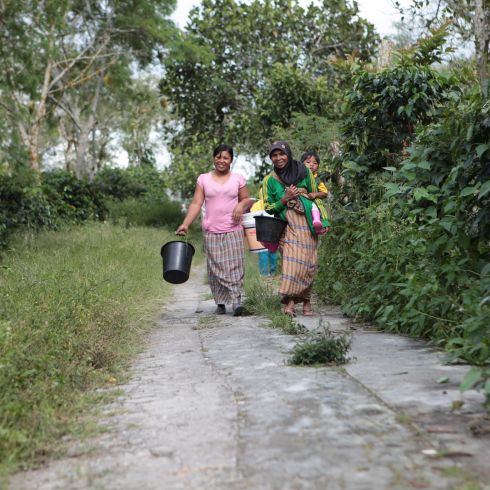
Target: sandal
(307,311)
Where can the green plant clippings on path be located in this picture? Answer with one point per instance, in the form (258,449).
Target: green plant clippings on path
(321,348)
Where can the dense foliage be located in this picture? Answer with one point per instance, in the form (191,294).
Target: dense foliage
(134,196)
(383,109)
(411,249)
(58,199)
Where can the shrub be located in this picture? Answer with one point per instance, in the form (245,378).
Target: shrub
(120,184)
(146,212)
(23,204)
(384,110)
(72,200)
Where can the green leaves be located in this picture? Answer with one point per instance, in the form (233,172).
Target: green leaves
(246,76)
(484,189)
(423,193)
(384,110)
(472,378)
(468,191)
(481,149)
(416,258)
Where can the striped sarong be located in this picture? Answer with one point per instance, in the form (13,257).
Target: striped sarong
(225,263)
(299,249)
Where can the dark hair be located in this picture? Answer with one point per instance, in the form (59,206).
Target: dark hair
(221,148)
(309,154)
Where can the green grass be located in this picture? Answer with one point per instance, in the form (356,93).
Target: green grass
(74,307)
(316,348)
(262,298)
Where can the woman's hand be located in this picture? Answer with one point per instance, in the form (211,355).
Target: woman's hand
(292,192)
(238,212)
(182,229)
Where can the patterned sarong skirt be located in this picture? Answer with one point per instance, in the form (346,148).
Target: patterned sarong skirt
(299,249)
(225,264)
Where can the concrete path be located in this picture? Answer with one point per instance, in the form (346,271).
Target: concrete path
(213,404)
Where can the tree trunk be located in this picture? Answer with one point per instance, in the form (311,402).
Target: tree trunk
(482,38)
(83,166)
(32,136)
(83,143)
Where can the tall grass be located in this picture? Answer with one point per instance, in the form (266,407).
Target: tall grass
(262,297)
(74,307)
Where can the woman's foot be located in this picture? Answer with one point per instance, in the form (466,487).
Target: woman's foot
(307,310)
(289,309)
(237,309)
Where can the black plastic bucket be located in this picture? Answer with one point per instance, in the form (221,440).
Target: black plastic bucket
(269,229)
(177,258)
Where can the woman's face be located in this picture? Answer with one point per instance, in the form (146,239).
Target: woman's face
(279,158)
(222,161)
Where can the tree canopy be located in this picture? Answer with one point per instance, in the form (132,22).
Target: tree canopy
(244,67)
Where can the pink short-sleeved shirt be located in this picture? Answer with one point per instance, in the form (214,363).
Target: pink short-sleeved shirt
(220,201)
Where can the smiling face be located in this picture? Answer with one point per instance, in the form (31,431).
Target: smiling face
(222,162)
(279,159)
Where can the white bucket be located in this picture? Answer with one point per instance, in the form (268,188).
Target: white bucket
(248,223)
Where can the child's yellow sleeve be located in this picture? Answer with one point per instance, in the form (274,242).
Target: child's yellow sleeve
(322,187)
(258,206)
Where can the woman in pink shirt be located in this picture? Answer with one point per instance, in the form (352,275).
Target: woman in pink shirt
(226,197)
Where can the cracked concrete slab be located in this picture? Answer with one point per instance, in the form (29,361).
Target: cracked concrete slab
(213,404)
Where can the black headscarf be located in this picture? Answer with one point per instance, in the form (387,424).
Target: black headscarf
(294,171)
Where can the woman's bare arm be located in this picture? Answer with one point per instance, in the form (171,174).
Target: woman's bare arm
(193,211)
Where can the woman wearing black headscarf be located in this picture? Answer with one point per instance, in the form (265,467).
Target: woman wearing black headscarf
(286,192)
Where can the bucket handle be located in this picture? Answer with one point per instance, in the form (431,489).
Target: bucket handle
(183,238)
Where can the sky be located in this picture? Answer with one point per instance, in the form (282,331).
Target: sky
(379,12)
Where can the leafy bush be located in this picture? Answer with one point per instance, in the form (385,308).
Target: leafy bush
(383,111)
(379,267)
(121,184)
(418,261)
(446,179)
(146,212)
(415,258)
(33,202)
(72,200)
(445,187)
(56,198)
(23,204)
